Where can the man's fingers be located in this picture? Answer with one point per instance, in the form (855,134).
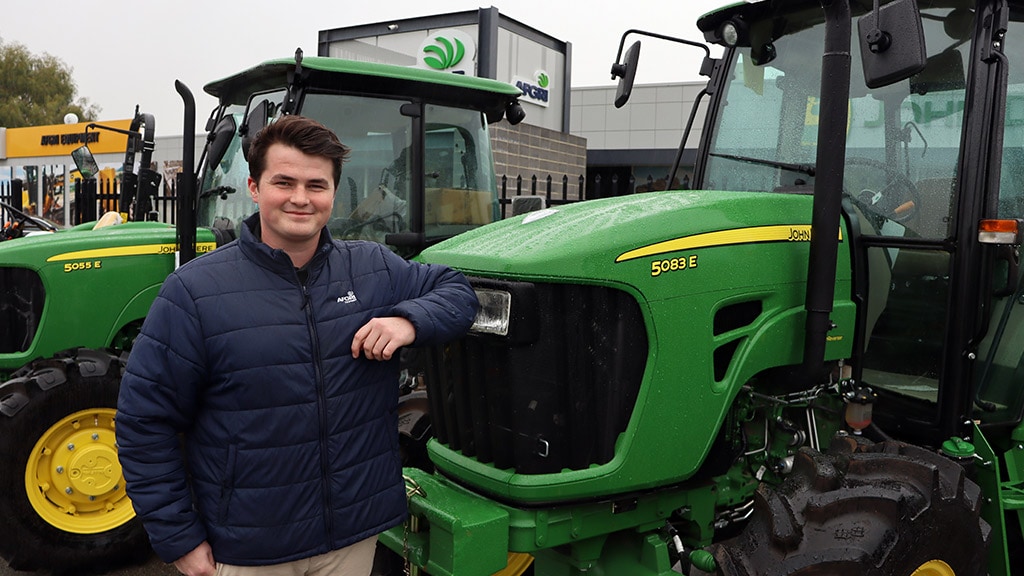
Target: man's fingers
(379,338)
(373,345)
(359,339)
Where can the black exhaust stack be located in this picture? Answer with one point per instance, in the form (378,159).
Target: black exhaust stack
(186,184)
(828,185)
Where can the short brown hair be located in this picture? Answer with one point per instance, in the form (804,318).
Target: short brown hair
(304,134)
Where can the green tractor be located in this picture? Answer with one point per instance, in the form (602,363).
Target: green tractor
(812,363)
(72,301)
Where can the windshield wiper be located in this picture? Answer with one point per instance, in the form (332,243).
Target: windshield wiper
(801,168)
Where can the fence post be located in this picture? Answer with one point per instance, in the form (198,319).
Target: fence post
(170,214)
(504,195)
(85,204)
(16,194)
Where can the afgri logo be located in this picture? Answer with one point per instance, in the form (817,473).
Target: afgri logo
(448,51)
(535,89)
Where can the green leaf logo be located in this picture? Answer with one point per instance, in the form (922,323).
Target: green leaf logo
(447,54)
(543,80)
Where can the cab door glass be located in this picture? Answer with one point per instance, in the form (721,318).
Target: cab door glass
(224,200)
(901,181)
(460,191)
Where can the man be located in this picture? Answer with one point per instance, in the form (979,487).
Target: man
(274,358)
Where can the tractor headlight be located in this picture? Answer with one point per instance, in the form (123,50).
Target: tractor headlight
(494,313)
(730,33)
(509,311)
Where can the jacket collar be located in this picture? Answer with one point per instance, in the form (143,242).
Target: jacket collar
(275,259)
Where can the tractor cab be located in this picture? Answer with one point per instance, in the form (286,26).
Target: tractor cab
(420,168)
(930,156)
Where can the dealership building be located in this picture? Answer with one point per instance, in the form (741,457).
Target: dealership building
(567,131)
(569,134)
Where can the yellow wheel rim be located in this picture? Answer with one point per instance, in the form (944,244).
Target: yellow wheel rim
(934,568)
(517,564)
(73,478)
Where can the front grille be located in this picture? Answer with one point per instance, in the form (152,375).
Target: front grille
(21,306)
(556,398)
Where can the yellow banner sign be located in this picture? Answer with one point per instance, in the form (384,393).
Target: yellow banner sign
(61,139)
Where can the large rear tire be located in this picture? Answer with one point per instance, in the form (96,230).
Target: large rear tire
(889,509)
(62,494)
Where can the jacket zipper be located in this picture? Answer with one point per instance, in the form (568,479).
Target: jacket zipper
(321,402)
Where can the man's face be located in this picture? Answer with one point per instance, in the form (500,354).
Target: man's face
(295,195)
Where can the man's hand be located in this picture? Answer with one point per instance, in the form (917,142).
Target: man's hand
(379,338)
(198,562)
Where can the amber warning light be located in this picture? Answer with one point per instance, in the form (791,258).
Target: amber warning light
(999,232)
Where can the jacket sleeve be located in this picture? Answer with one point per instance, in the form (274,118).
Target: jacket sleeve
(157,401)
(438,300)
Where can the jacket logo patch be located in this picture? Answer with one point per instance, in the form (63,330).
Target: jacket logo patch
(348,298)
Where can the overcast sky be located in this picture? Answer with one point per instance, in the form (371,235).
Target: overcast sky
(125,52)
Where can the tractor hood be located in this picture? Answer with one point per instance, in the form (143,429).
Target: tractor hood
(632,240)
(83,242)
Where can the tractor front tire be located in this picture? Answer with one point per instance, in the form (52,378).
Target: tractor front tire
(63,505)
(887,509)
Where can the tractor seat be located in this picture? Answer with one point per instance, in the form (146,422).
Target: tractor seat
(111,218)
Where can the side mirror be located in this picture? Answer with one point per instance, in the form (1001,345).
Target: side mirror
(219,138)
(85,161)
(626,73)
(891,43)
(259,116)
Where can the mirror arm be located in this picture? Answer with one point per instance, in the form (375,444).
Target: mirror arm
(622,44)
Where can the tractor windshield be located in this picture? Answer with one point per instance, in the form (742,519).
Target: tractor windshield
(902,140)
(380,193)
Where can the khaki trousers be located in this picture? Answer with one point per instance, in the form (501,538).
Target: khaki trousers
(354,560)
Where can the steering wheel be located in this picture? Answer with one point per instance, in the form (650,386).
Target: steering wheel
(894,197)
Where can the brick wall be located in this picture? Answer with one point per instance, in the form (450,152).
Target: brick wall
(526,150)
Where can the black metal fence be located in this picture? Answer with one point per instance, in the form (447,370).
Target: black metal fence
(11,192)
(92,198)
(510,189)
(556,192)
(89,199)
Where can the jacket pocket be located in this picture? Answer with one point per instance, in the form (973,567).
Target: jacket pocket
(227,484)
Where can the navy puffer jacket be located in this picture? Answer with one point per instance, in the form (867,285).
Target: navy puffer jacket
(291,444)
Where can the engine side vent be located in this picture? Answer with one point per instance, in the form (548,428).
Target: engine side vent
(735,316)
(723,358)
